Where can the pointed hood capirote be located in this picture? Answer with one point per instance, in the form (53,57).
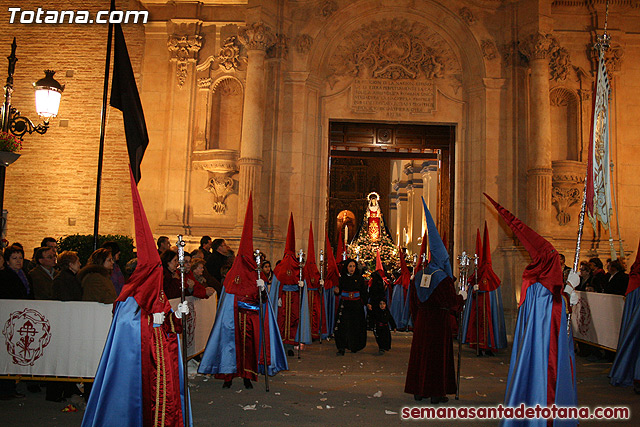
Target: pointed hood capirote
(146,283)
(380,267)
(288,270)
(423,251)
(545,266)
(242,276)
(405,275)
(488,280)
(310,270)
(634,274)
(439,255)
(332,272)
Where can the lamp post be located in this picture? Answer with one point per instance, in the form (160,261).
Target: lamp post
(48,94)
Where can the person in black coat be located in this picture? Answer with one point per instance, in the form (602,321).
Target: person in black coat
(351,326)
(14,283)
(66,286)
(219,257)
(618,279)
(383,323)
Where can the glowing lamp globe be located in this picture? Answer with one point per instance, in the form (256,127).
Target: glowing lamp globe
(48,94)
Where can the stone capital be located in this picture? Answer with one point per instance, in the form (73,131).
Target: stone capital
(537,46)
(257,36)
(183,49)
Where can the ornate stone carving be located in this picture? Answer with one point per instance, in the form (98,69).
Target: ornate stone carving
(561,97)
(537,46)
(229,55)
(559,63)
(489,49)
(256,36)
(183,49)
(280,49)
(612,57)
(204,83)
(567,185)
(227,87)
(394,49)
(327,8)
(584,94)
(220,187)
(304,43)
(466,15)
(562,199)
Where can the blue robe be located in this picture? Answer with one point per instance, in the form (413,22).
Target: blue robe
(527,381)
(626,365)
(116,395)
(397,307)
(219,356)
(303,333)
(330,309)
(497,317)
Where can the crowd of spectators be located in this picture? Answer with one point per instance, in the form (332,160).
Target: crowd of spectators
(50,275)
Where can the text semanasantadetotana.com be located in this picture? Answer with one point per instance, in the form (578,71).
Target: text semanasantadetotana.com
(520,412)
(44,16)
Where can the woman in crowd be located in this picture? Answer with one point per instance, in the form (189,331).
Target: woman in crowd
(66,286)
(200,288)
(171,284)
(267,274)
(351,326)
(13,280)
(585,277)
(117,277)
(96,278)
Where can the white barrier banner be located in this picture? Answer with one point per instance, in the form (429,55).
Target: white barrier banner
(597,317)
(202,314)
(65,339)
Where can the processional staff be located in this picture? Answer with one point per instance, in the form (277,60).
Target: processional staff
(464,261)
(301,289)
(261,287)
(185,374)
(321,289)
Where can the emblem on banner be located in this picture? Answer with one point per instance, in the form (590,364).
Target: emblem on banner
(237,280)
(191,325)
(26,334)
(584,319)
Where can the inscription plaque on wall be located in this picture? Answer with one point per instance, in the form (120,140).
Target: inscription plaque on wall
(393,97)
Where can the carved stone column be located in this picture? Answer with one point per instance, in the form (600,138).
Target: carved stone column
(257,38)
(536,48)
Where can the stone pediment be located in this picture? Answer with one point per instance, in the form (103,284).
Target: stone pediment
(393,49)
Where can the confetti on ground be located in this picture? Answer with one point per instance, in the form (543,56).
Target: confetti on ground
(249,407)
(323,399)
(388,412)
(277,394)
(239,391)
(377,394)
(286,415)
(323,392)
(319,407)
(211,403)
(480,394)
(330,407)
(467,378)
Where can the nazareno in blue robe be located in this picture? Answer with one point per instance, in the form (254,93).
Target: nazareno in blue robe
(116,395)
(303,334)
(497,317)
(530,358)
(219,356)
(626,365)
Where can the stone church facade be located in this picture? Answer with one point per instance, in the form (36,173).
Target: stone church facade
(239,97)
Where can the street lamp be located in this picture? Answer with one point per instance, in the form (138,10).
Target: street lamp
(48,94)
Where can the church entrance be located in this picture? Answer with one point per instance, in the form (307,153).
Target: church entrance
(399,163)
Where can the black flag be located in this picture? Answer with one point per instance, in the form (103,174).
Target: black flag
(125,97)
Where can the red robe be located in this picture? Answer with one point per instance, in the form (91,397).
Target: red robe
(431,371)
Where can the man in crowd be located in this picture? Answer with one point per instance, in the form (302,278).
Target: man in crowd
(218,258)
(618,279)
(163,244)
(42,274)
(205,248)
